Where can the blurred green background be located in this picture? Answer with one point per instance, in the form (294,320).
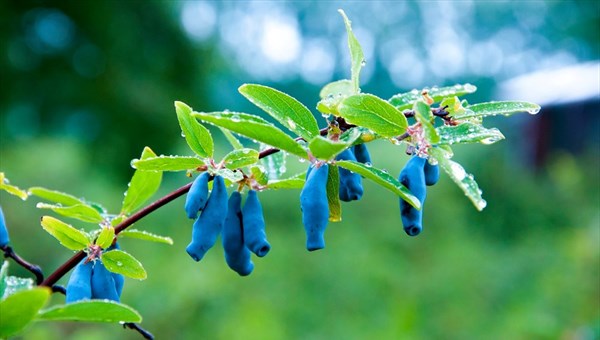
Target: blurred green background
(86,85)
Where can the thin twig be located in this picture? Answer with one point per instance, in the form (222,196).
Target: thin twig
(33,268)
(139,329)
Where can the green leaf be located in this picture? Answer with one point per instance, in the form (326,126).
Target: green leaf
(19,309)
(255,128)
(105,239)
(404,101)
(55,196)
(260,174)
(146,236)
(142,186)
(231,139)
(3,276)
(240,158)
(274,165)
(196,135)
(468,133)
(67,235)
(373,113)
(232,176)
(81,212)
(118,261)
(324,148)
(505,108)
(333,194)
(11,189)
(424,116)
(341,88)
(167,163)
(91,311)
(294,182)
(464,180)
(285,109)
(382,178)
(356,54)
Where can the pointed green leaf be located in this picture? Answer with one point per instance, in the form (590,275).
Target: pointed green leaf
(240,158)
(142,186)
(255,128)
(91,311)
(424,116)
(382,178)
(343,88)
(294,182)
(55,196)
(468,133)
(464,180)
(81,212)
(324,148)
(19,309)
(105,239)
(333,194)
(404,101)
(196,135)
(231,139)
(167,163)
(118,261)
(232,176)
(505,108)
(146,236)
(68,236)
(11,189)
(356,54)
(373,113)
(285,109)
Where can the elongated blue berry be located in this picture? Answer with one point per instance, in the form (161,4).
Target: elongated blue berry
(253,221)
(197,196)
(119,279)
(4,239)
(413,177)
(362,153)
(315,208)
(79,286)
(350,183)
(103,284)
(432,173)
(237,254)
(210,223)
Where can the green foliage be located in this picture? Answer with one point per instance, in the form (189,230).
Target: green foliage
(146,236)
(196,135)
(333,194)
(404,101)
(11,189)
(106,236)
(19,309)
(356,54)
(82,212)
(373,113)
(167,163)
(91,311)
(505,108)
(142,186)
(468,132)
(118,261)
(68,236)
(240,158)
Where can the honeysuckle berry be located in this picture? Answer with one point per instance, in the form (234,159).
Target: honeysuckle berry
(315,208)
(350,183)
(362,153)
(119,279)
(103,283)
(253,221)
(413,177)
(197,196)
(210,223)
(79,286)
(4,239)
(237,254)
(432,173)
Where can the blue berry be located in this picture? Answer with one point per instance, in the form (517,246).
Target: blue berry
(253,220)
(237,254)
(315,208)
(197,196)
(413,177)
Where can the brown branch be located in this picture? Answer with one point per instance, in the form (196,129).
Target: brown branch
(33,268)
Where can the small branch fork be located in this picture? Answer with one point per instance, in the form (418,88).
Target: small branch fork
(33,268)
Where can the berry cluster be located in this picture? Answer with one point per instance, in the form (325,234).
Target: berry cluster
(416,174)
(91,280)
(242,229)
